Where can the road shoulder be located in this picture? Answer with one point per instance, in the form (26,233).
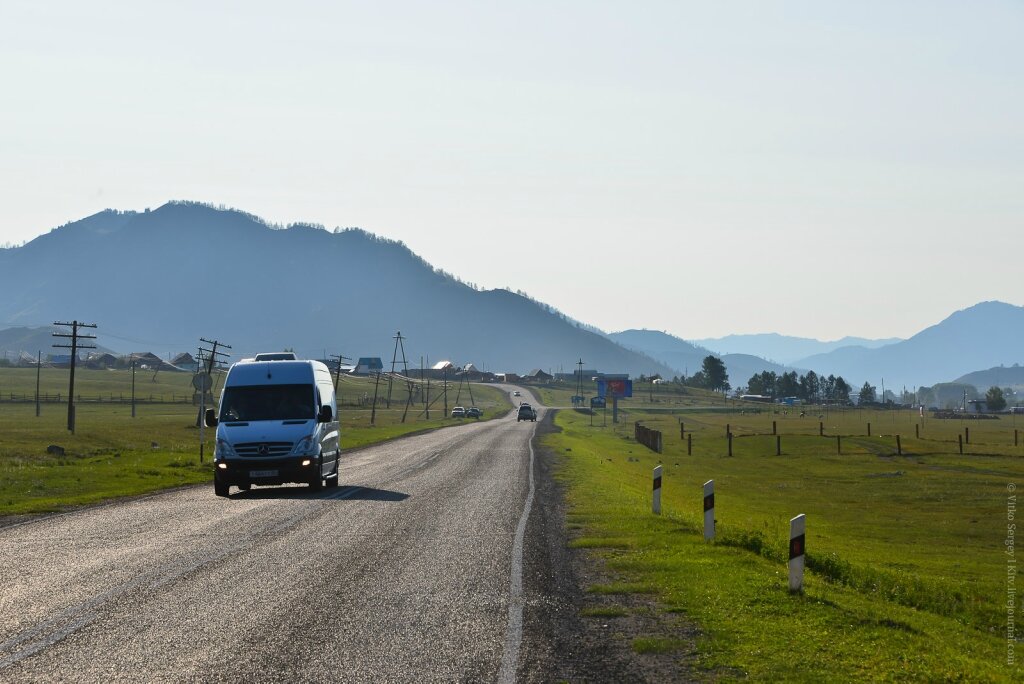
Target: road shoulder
(560,642)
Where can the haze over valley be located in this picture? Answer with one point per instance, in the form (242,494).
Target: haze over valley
(157,280)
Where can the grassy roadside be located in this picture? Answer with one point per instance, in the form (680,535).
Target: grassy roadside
(907,573)
(114,455)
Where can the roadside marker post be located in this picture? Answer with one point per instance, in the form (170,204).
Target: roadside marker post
(775,428)
(656,502)
(821,429)
(967,435)
(689,444)
(730,444)
(869,429)
(778,445)
(899,447)
(917,431)
(797,531)
(709,510)
(839,446)
(960,439)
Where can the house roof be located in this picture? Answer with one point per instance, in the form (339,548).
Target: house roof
(441,365)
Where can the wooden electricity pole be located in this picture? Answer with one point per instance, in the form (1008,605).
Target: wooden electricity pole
(75,336)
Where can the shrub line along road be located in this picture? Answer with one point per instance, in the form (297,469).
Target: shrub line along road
(411,570)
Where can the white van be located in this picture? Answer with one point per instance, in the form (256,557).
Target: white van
(277,422)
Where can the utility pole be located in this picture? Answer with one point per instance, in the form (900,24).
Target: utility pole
(446,391)
(337,371)
(394,358)
(39,364)
(579,381)
(211,360)
(74,347)
(337,368)
(133,386)
(373,411)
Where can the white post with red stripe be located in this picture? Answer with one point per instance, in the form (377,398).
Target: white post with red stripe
(709,510)
(656,503)
(797,531)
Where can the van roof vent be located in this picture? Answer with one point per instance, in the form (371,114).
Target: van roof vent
(276,356)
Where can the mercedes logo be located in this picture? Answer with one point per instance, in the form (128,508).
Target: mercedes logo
(263,450)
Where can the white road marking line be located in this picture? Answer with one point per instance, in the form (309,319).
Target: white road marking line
(514,632)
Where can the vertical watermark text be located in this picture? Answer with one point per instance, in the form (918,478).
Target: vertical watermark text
(1011,571)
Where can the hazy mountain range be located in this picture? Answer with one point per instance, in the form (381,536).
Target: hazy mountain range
(34,340)
(982,336)
(687,358)
(1000,376)
(158,280)
(784,349)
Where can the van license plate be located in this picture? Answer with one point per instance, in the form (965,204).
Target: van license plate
(262,473)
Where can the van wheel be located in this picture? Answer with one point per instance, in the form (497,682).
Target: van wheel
(220,489)
(332,480)
(317,483)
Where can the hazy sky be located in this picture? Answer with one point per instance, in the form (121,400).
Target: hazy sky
(704,168)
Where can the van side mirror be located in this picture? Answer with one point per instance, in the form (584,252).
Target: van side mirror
(326,414)
(210,418)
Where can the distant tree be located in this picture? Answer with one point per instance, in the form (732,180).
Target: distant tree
(788,385)
(828,386)
(809,386)
(995,399)
(841,390)
(715,377)
(867,394)
(762,383)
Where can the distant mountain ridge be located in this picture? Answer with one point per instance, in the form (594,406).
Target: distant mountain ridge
(785,349)
(14,341)
(687,358)
(1000,376)
(187,270)
(981,336)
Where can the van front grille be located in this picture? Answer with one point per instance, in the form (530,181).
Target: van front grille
(264,449)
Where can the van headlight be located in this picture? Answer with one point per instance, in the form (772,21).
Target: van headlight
(224,450)
(304,447)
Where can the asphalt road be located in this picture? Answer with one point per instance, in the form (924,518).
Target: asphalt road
(406,572)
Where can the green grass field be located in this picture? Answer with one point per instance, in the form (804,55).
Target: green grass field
(907,574)
(112,454)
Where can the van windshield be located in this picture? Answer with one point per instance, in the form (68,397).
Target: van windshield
(267,402)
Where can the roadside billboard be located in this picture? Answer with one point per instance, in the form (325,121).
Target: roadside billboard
(614,387)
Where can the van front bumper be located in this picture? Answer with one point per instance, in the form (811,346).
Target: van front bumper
(265,471)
